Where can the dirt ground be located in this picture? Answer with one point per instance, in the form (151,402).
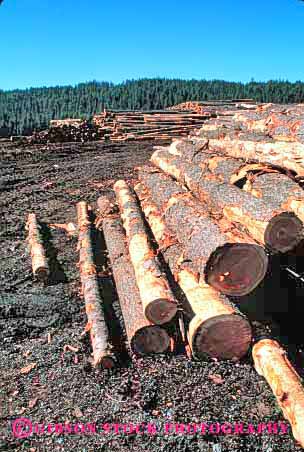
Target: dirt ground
(45,372)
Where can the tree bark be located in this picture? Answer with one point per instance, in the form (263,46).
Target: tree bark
(143,337)
(228,260)
(159,303)
(97,326)
(216,329)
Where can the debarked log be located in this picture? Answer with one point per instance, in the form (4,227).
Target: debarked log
(278,229)
(143,337)
(97,326)
(225,258)
(271,362)
(159,303)
(216,329)
(40,265)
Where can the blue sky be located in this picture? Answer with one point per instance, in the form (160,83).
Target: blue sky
(46,43)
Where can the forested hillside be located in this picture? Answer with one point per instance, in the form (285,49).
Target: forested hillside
(22,111)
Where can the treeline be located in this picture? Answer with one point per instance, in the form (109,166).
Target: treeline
(22,111)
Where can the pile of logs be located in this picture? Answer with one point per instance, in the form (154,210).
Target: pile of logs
(147,125)
(72,130)
(197,228)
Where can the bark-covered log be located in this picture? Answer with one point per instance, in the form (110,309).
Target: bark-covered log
(278,229)
(277,189)
(223,169)
(97,326)
(213,247)
(143,337)
(40,265)
(216,329)
(159,303)
(272,363)
(285,155)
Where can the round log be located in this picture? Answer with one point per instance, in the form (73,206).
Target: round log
(271,362)
(209,244)
(216,329)
(143,337)
(40,265)
(99,333)
(238,206)
(158,301)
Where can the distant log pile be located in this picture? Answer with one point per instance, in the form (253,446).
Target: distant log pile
(147,125)
(69,130)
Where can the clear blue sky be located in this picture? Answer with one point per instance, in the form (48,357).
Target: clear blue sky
(49,42)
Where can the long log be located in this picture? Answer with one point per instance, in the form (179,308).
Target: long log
(97,326)
(143,337)
(279,230)
(272,363)
(216,329)
(287,193)
(159,303)
(40,265)
(225,258)
(285,155)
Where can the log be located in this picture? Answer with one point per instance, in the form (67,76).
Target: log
(99,333)
(284,155)
(143,337)
(213,247)
(279,230)
(216,329)
(40,265)
(271,362)
(159,303)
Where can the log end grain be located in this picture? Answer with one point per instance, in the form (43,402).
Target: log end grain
(150,339)
(161,310)
(284,232)
(226,336)
(236,269)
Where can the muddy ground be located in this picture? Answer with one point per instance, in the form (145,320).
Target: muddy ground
(45,371)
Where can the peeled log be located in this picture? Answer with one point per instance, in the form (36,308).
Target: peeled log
(216,329)
(40,265)
(143,337)
(286,155)
(97,326)
(271,362)
(214,248)
(159,303)
(278,229)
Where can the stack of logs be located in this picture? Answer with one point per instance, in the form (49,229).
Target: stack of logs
(197,228)
(63,131)
(147,125)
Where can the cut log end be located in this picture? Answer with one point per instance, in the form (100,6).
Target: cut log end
(150,339)
(226,336)
(161,311)
(237,269)
(42,274)
(107,362)
(284,232)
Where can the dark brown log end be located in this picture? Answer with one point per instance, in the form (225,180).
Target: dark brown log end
(284,232)
(107,362)
(225,336)
(42,274)
(236,269)
(150,339)
(161,311)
